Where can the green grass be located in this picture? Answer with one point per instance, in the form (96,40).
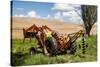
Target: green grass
(20,54)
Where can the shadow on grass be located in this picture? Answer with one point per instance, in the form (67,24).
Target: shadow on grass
(17,59)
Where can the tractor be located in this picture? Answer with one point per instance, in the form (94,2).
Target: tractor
(51,42)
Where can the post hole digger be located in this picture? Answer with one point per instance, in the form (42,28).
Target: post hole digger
(66,44)
(52,43)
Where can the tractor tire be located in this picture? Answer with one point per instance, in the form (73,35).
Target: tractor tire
(72,49)
(51,43)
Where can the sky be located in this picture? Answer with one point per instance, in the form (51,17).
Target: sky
(58,11)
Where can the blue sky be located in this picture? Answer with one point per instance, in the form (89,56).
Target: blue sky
(58,11)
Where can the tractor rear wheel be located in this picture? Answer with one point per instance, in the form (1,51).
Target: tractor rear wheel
(51,45)
(72,49)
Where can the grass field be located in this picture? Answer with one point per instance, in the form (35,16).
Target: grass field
(20,55)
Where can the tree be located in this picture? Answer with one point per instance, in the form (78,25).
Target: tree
(89,17)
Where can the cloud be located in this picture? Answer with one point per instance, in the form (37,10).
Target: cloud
(70,13)
(31,14)
(38,16)
(57,15)
(64,7)
(75,19)
(20,15)
(48,16)
(72,16)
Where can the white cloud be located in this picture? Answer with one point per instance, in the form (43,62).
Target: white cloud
(72,16)
(59,6)
(48,16)
(38,16)
(75,5)
(70,13)
(75,19)
(20,15)
(31,14)
(57,15)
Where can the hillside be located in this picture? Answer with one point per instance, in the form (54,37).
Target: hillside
(62,27)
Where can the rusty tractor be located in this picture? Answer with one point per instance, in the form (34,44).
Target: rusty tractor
(51,42)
